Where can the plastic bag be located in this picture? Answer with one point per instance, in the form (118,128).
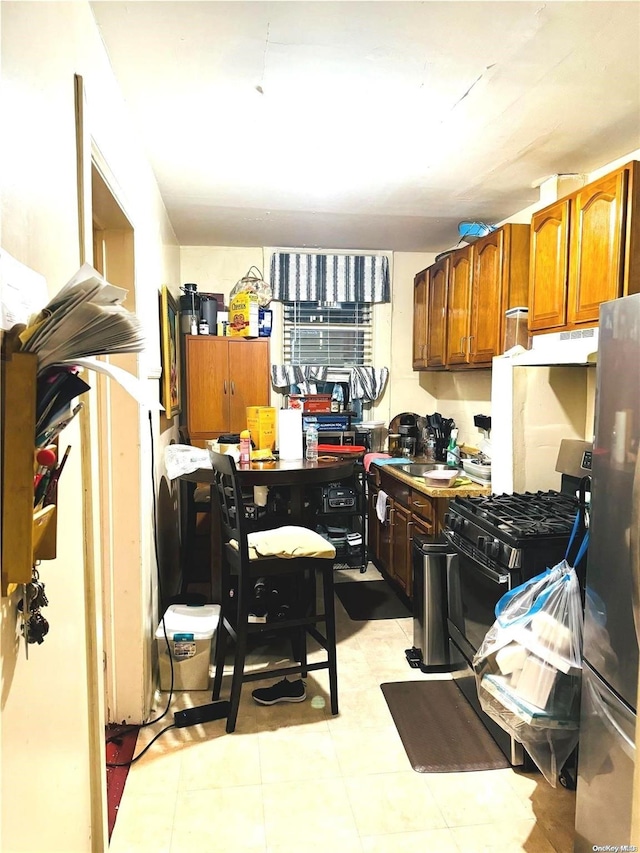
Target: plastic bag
(253,282)
(184,459)
(529,667)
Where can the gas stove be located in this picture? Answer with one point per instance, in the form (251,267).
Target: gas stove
(513,532)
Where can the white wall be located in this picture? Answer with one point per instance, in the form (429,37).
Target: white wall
(48,760)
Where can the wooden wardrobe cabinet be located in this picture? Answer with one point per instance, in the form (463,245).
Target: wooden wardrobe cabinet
(420,318)
(585,251)
(223,377)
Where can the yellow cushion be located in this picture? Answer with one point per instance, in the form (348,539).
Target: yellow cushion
(287,542)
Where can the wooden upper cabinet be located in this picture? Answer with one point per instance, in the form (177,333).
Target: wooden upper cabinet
(437,280)
(459,307)
(499,281)
(584,251)
(596,257)
(486,309)
(549,267)
(224,376)
(420,320)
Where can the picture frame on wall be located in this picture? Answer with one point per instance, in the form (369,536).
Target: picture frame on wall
(170,343)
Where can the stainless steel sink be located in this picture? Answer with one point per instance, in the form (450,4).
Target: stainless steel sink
(419,469)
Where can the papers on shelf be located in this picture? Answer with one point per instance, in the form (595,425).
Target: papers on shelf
(84,318)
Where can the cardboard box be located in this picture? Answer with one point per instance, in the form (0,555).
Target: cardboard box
(261,423)
(244,315)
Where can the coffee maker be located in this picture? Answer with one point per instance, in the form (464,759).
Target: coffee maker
(409,442)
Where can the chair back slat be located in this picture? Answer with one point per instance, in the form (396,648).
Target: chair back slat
(230,503)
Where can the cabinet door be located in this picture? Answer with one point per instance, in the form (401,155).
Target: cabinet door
(549,267)
(420,320)
(438,276)
(208,389)
(459,307)
(248,379)
(486,319)
(373,525)
(596,265)
(384,539)
(400,547)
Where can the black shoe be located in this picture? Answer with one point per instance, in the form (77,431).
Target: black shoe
(282,691)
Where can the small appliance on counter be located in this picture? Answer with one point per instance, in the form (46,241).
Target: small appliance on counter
(372,435)
(409,428)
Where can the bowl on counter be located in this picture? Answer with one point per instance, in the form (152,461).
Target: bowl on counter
(441,478)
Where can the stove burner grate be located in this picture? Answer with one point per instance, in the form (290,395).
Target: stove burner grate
(526,515)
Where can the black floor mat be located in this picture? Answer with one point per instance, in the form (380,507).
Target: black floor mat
(440,731)
(370,600)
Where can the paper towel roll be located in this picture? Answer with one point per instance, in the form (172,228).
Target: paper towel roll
(290,434)
(260,495)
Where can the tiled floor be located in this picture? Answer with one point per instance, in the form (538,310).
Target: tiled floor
(293,778)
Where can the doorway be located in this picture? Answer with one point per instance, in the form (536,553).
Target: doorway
(118,427)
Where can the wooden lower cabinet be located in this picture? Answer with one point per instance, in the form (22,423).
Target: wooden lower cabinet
(408,512)
(400,565)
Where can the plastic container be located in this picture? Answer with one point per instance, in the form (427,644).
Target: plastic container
(245,447)
(516,332)
(311,440)
(190,633)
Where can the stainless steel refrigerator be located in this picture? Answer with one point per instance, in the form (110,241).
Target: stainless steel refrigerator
(606,753)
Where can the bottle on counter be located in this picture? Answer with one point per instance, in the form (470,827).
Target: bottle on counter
(311,437)
(245,446)
(453,451)
(430,447)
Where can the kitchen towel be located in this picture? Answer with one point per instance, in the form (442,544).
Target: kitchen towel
(284,375)
(381,506)
(367,383)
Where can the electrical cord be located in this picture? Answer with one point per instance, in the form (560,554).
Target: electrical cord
(127,730)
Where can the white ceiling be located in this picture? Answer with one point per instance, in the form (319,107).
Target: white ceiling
(370,125)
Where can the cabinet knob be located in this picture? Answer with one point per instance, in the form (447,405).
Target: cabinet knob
(233,387)
(225,386)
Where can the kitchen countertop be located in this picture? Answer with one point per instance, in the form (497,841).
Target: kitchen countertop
(418,483)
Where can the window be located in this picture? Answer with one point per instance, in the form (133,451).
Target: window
(331,334)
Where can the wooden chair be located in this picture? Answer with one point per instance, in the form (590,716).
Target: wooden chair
(297,552)
(195,498)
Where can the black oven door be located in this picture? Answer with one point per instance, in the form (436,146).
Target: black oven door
(473,590)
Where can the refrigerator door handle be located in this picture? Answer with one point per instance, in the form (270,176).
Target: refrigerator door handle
(634,537)
(625,740)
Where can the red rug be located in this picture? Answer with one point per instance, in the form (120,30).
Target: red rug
(120,745)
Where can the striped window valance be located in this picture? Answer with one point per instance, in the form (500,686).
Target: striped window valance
(301,277)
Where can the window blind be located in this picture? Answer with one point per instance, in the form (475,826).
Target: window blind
(328,334)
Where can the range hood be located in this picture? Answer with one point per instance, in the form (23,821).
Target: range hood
(557,348)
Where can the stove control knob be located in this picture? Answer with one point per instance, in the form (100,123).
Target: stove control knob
(494,549)
(482,543)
